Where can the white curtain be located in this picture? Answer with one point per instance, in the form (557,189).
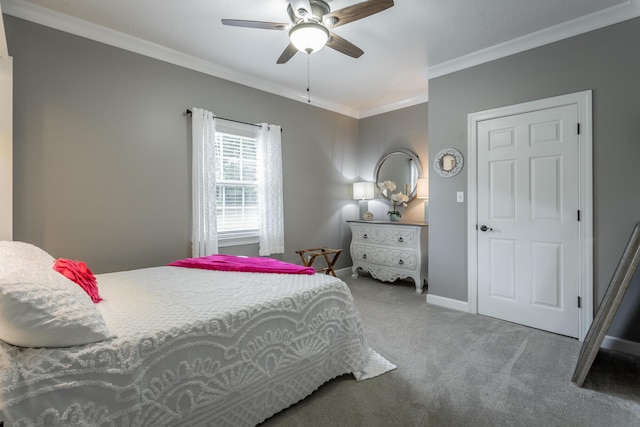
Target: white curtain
(204,236)
(270,199)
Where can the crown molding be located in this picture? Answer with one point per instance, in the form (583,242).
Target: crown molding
(79,27)
(613,15)
(47,17)
(409,102)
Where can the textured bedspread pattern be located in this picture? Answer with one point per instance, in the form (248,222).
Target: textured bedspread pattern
(192,347)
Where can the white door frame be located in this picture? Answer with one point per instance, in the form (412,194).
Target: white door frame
(585,166)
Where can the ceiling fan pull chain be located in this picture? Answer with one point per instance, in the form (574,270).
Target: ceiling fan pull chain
(309,77)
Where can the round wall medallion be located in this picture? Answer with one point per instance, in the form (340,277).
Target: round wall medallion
(448,162)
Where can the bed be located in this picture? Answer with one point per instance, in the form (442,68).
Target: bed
(183,346)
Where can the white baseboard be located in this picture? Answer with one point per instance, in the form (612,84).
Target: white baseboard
(621,345)
(453,304)
(609,342)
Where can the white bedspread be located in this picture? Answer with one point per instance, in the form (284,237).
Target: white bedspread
(192,347)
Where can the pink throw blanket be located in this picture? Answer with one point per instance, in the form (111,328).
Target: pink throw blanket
(238,263)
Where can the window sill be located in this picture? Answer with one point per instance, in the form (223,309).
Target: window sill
(224,241)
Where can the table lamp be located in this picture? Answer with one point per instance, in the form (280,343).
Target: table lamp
(363,191)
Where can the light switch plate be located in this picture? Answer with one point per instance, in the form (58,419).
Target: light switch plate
(460,197)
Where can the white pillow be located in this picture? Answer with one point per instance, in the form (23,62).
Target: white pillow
(12,249)
(39,307)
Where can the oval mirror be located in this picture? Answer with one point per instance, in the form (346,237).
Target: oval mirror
(402,167)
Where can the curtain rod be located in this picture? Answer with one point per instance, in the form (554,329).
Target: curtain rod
(188,113)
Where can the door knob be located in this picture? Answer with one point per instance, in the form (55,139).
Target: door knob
(485,228)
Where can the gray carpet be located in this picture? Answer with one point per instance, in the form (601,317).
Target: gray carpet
(457,369)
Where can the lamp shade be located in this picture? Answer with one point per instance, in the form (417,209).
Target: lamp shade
(309,36)
(363,190)
(422,188)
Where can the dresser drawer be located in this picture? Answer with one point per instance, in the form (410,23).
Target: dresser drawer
(396,258)
(384,235)
(390,251)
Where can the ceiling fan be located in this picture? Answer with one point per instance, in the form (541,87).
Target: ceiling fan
(311,24)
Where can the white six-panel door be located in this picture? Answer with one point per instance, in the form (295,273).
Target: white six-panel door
(528,229)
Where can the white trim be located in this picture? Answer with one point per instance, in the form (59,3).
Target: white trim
(594,21)
(50,18)
(453,304)
(583,101)
(472,215)
(621,345)
(409,102)
(237,241)
(60,21)
(609,342)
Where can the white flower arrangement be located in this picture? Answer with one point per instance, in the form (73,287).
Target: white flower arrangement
(387,189)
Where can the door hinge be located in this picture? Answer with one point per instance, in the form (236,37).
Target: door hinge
(578,215)
(578,128)
(579,302)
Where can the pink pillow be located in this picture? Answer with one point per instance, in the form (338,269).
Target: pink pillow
(77,271)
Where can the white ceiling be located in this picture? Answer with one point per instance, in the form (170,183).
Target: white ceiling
(404,46)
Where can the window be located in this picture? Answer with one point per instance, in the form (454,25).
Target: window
(236,187)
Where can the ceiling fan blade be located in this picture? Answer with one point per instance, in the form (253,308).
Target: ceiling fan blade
(355,12)
(257,24)
(287,54)
(341,45)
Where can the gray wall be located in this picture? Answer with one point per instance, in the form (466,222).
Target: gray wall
(383,133)
(102,159)
(606,61)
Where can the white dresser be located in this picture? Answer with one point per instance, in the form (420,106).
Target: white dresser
(390,250)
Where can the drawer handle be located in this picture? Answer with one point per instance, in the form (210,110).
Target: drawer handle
(364,236)
(401,262)
(400,239)
(364,256)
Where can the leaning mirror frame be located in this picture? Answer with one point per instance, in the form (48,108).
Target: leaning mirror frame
(448,162)
(413,158)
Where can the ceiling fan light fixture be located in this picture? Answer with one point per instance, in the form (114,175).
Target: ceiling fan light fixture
(309,36)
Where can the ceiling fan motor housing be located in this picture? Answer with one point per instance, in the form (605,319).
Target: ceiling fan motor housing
(319,8)
(311,25)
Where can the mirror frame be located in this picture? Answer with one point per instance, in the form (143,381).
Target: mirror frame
(412,156)
(437,162)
